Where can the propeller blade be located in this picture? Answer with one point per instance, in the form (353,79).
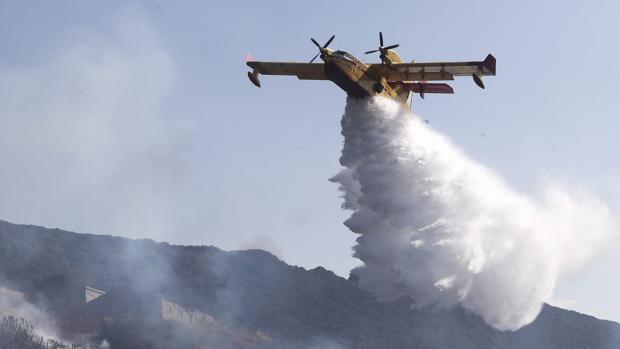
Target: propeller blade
(329,41)
(316,43)
(373,51)
(391,47)
(312,60)
(380,39)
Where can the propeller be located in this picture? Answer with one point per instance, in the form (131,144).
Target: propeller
(322,49)
(382,49)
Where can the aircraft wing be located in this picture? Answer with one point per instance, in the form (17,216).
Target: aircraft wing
(440,70)
(303,71)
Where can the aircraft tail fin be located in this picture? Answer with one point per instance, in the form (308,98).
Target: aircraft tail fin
(402,91)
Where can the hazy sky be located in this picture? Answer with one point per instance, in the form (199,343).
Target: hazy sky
(139,120)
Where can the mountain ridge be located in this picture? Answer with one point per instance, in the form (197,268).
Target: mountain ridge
(255,291)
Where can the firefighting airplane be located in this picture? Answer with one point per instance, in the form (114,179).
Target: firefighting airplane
(391,78)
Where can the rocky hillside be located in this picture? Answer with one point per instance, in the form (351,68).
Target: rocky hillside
(257,300)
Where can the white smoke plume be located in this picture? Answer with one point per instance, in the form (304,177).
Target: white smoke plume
(85,141)
(13,303)
(442,229)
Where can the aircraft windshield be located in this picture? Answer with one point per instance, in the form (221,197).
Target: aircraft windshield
(346,55)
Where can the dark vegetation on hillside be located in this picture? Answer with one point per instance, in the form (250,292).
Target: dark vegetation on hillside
(18,333)
(253,291)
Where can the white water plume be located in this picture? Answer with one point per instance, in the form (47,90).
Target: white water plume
(443,229)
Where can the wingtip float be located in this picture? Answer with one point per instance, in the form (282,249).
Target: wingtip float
(391,78)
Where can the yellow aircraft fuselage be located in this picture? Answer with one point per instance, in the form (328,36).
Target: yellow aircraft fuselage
(358,79)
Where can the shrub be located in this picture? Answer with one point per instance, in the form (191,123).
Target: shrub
(18,334)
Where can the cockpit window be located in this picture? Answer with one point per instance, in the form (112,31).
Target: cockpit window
(346,55)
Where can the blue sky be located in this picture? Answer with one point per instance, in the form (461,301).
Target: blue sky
(138,119)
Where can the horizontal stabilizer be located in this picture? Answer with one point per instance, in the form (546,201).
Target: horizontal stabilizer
(423,87)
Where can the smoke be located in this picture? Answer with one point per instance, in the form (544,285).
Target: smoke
(13,303)
(86,142)
(442,229)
